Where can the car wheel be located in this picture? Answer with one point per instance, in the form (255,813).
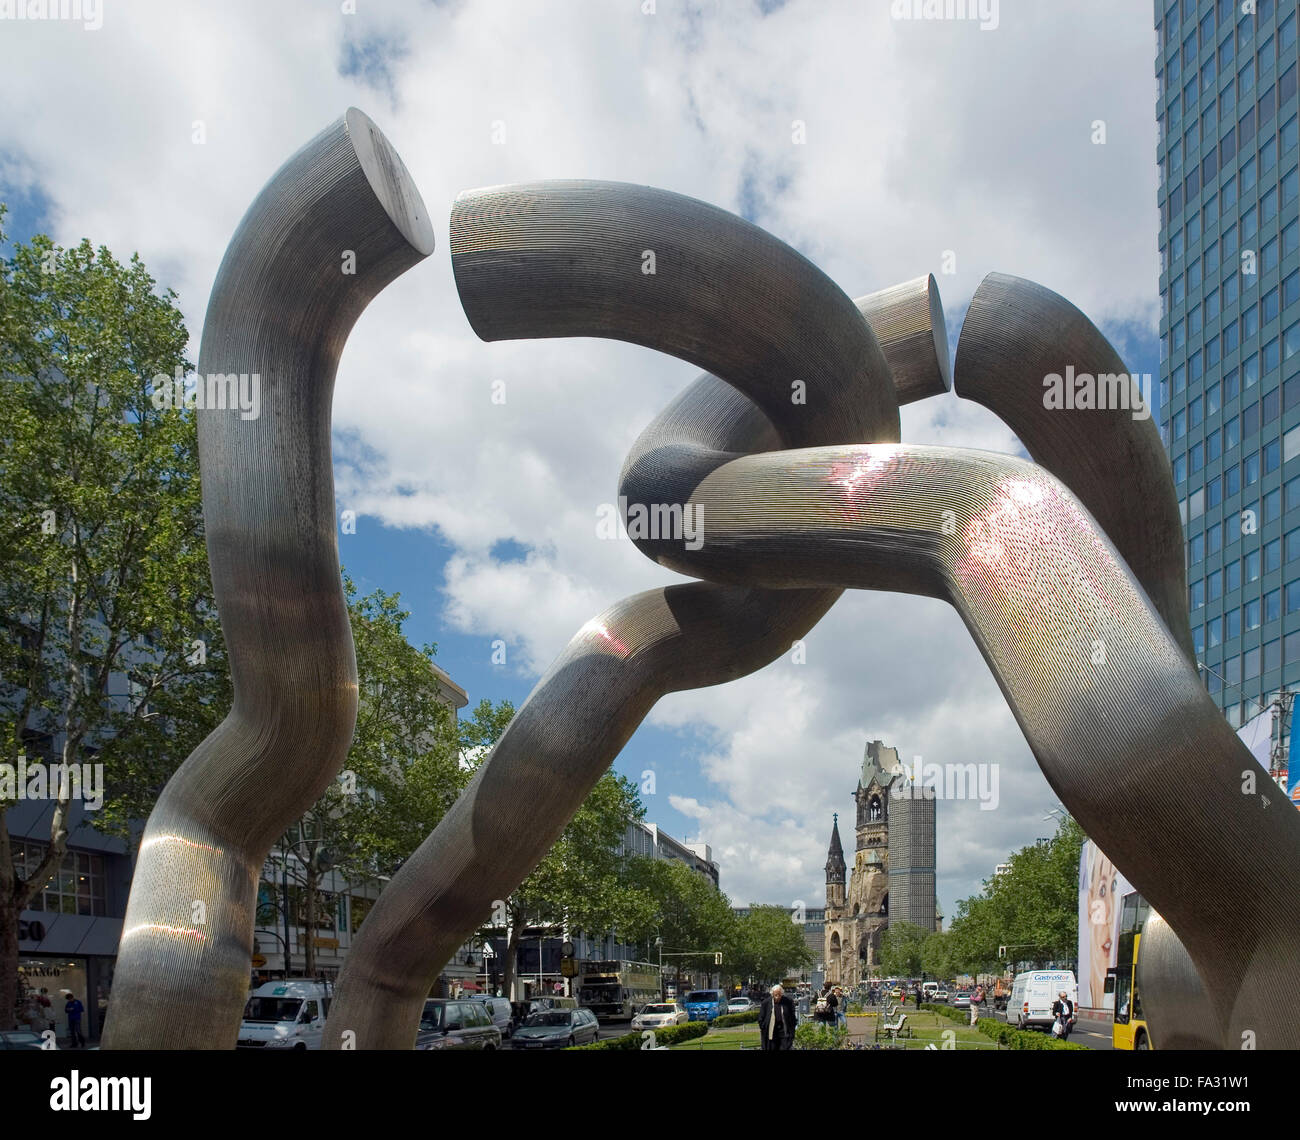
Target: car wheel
(488,1048)
(300,1048)
(1141,1042)
(572,1042)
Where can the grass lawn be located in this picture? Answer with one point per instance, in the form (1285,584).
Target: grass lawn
(736,1037)
(927,1028)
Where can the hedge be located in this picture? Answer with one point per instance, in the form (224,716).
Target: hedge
(1005,1035)
(729,1019)
(669,1035)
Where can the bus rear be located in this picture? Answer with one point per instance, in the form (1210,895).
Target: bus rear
(1129,1030)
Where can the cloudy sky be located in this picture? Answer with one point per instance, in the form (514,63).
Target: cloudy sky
(922,138)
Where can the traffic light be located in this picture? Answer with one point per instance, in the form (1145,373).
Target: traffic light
(717,958)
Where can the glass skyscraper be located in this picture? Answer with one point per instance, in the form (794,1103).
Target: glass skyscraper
(1230,333)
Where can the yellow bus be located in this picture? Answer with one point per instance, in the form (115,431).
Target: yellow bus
(1129,1030)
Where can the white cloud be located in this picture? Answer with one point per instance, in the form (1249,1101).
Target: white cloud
(922,137)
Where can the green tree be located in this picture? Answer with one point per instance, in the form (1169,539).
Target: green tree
(900,949)
(1031,908)
(580,882)
(691,916)
(103,568)
(766,945)
(402,773)
(938,957)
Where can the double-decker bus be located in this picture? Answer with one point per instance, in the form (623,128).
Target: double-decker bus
(1129,1030)
(615,990)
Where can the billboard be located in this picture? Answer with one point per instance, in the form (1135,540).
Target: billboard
(1101,890)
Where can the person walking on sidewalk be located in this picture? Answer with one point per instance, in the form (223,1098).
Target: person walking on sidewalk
(776,1021)
(74,1009)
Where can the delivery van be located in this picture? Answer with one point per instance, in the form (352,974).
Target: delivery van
(285,1015)
(1032,995)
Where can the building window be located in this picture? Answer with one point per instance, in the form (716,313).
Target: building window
(79,886)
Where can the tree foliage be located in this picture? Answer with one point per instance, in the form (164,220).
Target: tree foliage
(104,586)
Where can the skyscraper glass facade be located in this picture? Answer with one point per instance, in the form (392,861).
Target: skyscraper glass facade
(1230,332)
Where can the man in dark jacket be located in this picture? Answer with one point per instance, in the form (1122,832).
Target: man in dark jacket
(1063,1010)
(776,1021)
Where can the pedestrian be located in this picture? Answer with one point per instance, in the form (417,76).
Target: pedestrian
(74,1009)
(776,1021)
(1063,1015)
(974,1010)
(47,1015)
(916,994)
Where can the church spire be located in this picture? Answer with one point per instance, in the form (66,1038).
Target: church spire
(835,856)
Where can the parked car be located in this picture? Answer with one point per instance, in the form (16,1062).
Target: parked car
(740,1005)
(538,1004)
(501,1012)
(556,1029)
(942,994)
(448,1024)
(658,1014)
(962,1000)
(19,1039)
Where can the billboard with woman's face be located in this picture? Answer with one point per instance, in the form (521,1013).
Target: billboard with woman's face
(1101,887)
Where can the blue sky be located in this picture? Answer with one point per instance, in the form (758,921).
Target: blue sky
(924,144)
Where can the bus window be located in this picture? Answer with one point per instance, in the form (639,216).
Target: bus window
(1123,986)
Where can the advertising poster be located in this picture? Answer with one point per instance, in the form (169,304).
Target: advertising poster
(1101,890)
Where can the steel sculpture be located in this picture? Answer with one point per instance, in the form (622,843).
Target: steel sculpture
(281,309)
(1068,575)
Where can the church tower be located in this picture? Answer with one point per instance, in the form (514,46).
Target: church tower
(835,868)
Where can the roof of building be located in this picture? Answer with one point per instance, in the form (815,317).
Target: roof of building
(880,764)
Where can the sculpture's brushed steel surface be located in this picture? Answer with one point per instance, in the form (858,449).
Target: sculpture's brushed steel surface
(555,259)
(281,308)
(1016,334)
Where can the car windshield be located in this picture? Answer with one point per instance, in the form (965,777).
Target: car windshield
(702,996)
(659,1009)
(549,1017)
(270,1009)
(432,1017)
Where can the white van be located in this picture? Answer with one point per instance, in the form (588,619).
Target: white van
(1033,994)
(285,1015)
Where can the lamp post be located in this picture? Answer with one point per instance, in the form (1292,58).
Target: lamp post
(660,943)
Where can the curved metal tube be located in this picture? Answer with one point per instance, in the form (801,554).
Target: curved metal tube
(1014,336)
(908,322)
(560,250)
(281,308)
(1113,711)
(1175,1001)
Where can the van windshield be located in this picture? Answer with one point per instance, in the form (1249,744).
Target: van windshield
(703,996)
(272,1009)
